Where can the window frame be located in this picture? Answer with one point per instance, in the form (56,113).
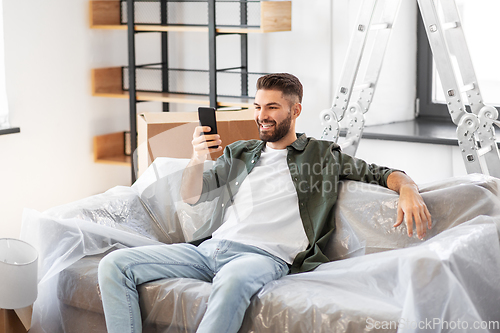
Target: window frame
(3,94)
(426,107)
(9,130)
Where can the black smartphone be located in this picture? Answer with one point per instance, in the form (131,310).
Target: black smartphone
(207,118)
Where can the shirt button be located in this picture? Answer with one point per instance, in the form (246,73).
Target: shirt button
(253,161)
(222,205)
(236,183)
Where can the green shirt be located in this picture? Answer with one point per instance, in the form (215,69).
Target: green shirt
(316,168)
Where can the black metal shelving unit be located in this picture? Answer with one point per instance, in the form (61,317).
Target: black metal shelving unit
(164,65)
(132,85)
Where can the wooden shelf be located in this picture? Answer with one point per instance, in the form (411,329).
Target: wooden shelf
(274,16)
(107,82)
(110,149)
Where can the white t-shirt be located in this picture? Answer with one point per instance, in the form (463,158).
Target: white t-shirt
(265,211)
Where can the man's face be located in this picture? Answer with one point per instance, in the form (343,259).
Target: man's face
(273,115)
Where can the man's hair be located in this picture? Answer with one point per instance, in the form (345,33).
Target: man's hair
(288,84)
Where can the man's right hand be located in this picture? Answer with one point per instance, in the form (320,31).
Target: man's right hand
(202,143)
(192,177)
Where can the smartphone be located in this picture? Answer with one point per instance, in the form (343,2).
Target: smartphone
(207,118)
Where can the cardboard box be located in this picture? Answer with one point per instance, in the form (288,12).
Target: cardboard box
(169,134)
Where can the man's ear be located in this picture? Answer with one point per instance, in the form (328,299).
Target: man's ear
(296,109)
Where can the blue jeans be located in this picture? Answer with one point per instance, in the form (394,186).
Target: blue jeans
(237,272)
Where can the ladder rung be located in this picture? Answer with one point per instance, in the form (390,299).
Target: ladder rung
(483,151)
(347,143)
(362,86)
(380,26)
(450,25)
(468,87)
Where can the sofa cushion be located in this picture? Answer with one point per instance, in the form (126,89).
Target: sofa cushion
(78,286)
(178,303)
(175,303)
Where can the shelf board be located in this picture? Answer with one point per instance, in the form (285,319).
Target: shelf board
(109,27)
(192,99)
(110,149)
(274,16)
(156,28)
(107,82)
(9,130)
(115,160)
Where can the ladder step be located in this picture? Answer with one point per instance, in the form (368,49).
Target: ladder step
(450,25)
(483,151)
(362,86)
(468,87)
(380,26)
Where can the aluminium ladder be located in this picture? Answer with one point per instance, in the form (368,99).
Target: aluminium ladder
(475,131)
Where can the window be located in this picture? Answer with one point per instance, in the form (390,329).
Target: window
(4,111)
(479,22)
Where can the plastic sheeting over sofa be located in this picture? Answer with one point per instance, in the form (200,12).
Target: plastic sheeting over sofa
(449,280)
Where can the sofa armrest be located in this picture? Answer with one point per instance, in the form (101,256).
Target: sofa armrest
(365,213)
(120,208)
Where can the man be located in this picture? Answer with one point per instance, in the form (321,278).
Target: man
(274,214)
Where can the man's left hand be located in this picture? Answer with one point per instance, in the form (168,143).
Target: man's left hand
(411,206)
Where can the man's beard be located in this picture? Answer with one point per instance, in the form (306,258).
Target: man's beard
(280,130)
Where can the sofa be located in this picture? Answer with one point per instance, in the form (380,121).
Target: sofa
(378,279)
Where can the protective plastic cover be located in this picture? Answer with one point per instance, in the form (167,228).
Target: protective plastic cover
(448,282)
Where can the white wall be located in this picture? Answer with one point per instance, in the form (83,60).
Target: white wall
(50,51)
(424,163)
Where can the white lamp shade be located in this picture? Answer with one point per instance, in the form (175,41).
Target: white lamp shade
(18,274)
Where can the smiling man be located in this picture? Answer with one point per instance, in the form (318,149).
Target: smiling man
(274,214)
(270,129)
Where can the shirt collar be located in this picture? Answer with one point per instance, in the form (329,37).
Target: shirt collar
(301,142)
